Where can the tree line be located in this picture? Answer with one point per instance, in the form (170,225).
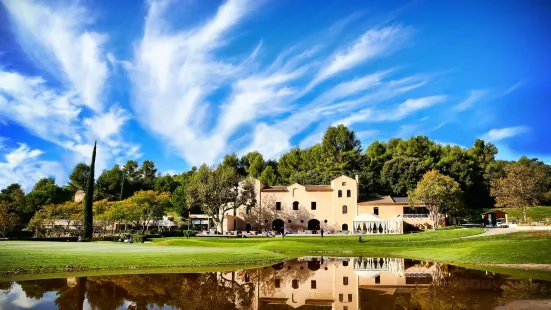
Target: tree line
(392,167)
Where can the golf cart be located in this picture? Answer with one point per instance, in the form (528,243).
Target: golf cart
(126,238)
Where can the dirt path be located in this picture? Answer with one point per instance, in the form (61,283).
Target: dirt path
(494,231)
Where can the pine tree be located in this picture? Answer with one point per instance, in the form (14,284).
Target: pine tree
(88,216)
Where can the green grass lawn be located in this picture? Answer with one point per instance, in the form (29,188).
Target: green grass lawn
(536,213)
(444,246)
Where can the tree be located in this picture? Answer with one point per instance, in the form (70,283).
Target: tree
(8,217)
(147,206)
(147,173)
(341,151)
(231,160)
(43,183)
(522,188)
(401,174)
(253,163)
(438,193)
(217,191)
(165,183)
(89,200)
(109,184)
(78,177)
(268,176)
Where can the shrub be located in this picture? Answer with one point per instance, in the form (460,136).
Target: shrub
(138,238)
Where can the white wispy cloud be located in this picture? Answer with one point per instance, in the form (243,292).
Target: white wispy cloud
(514,87)
(23,166)
(174,73)
(393,114)
(56,118)
(497,134)
(57,39)
(373,43)
(474,96)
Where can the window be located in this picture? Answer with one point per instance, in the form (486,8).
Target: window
(344,227)
(349,297)
(289,221)
(344,209)
(313,205)
(277,283)
(344,280)
(378,280)
(248,212)
(341,298)
(376,210)
(348,193)
(295,284)
(313,284)
(343,183)
(340,193)
(344,307)
(247,277)
(295,205)
(325,221)
(345,263)
(278,205)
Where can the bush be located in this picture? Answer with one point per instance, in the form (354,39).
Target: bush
(139,238)
(106,238)
(60,239)
(20,234)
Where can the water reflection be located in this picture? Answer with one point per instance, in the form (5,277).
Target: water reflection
(308,283)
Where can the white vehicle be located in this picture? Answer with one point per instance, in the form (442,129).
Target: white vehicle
(501,224)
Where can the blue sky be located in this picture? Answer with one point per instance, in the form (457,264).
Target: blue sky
(186,82)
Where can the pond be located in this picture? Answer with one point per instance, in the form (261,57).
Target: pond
(308,283)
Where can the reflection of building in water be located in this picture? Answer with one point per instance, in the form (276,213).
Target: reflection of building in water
(334,283)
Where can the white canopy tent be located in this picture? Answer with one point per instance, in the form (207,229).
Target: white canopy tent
(368,223)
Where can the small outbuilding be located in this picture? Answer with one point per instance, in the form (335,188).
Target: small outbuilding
(490,218)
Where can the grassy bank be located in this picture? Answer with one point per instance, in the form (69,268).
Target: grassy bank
(444,246)
(537,213)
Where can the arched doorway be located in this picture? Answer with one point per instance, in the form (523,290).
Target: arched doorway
(313,224)
(248,227)
(278,225)
(344,227)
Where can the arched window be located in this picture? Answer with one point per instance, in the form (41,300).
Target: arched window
(295,284)
(340,193)
(294,189)
(345,280)
(344,209)
(295,205)
(345,263)
(348,193)
(341,297)
(344,227)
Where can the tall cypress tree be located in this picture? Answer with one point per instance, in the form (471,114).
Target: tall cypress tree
(88,216)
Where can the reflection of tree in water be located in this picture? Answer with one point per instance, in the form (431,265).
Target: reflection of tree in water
(6,287)
(524,290)
(72,297)
(184,291)
(473,289)
(35,289)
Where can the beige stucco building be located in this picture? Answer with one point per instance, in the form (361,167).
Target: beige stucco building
(334,208)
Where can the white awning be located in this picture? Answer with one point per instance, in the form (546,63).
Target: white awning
(367,274)
(367,217)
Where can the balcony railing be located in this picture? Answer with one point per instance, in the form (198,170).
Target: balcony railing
(413,215)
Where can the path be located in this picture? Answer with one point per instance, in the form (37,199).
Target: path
(494,231)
